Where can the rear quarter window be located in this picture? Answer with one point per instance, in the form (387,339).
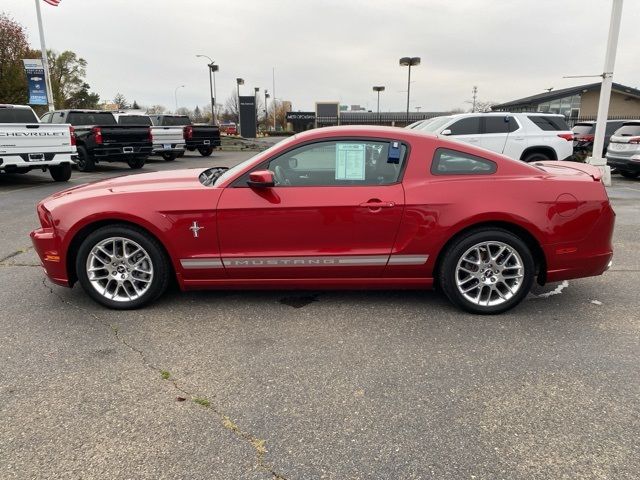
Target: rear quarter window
(549,123)
(452,162)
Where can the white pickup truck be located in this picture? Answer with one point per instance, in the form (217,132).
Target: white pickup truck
(26,144)
(168,142)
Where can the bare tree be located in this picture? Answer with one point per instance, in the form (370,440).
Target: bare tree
(156,110)
(120,101)
(231,108)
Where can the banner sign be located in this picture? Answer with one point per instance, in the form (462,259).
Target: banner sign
(35,79)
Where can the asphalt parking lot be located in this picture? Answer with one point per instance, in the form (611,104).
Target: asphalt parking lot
(336,385)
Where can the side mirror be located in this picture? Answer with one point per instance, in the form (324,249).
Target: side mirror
(446,131)
(261,179)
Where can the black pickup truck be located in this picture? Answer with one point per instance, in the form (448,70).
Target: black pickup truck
(201,137)
(99,138)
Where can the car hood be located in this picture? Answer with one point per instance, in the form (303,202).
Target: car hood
(143,182)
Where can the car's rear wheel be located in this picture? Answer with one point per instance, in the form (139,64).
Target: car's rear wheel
(628,174)
(136,162)
(85,163)
(122,267)
(60,173)
(535,157)
(487,271)
(205,151)
(170,157)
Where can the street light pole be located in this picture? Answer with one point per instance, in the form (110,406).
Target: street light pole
(378,89)
(605,92)
(409,62)
(239,81)
(175,95)
(255,103)
(266,110)
(212,86)
(45,60)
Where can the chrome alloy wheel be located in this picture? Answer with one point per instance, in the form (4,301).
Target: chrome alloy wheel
(489,273)
(119,269)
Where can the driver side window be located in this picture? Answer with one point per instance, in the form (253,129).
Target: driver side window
(345,162)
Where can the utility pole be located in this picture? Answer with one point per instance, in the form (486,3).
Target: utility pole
(275,101)
(45,60)
(475,95)
(605,92)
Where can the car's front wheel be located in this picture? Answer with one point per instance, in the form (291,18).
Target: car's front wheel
(487,271)
(122,267)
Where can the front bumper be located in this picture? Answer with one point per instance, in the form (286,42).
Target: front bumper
(46,244)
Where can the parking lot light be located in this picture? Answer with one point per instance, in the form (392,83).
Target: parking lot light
(239,81)
(213,68)
(409,62)
(378,89)
(175,95)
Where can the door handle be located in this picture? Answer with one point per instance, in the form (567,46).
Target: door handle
(377,204)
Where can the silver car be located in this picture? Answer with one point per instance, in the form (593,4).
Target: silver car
(624,150)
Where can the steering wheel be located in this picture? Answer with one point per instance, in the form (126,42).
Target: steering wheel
(280,177)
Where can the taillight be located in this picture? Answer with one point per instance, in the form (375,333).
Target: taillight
(188,132)
(634,140)
(45,216)
(567,136)
(72,134)
(150,135)
(97,135)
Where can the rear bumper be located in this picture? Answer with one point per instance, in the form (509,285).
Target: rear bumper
(10,163)
(46,244)
(589,257)
(631,163)
(123,151)
(203,142)
(159,148)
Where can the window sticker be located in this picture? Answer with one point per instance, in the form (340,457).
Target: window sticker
(350,161)
(394,153)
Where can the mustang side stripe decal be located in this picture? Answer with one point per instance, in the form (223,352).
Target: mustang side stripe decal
(316,261)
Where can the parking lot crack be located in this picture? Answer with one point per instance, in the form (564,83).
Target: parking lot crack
(258,445)
(15,254)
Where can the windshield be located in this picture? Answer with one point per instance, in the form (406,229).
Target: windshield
(241,166)
(134,120)
(434,124)
(584,129)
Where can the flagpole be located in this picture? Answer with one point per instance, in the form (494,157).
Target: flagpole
(45,62)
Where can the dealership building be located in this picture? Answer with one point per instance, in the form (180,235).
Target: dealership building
(579,101)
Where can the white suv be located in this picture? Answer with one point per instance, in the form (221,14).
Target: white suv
(523,136)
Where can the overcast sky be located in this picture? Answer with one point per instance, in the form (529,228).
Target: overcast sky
(325,50)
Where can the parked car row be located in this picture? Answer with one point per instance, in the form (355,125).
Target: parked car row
(83,138)
(529,137)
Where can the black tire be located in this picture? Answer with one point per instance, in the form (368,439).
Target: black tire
(535,157)
(205,151)
(456,251)
(181,154)
(170,157)
(136,163)
(160,263)
(191,149)
(628,174)
(85,163)
(61,173)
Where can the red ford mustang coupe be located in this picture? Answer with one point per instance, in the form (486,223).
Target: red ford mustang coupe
(344,207)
